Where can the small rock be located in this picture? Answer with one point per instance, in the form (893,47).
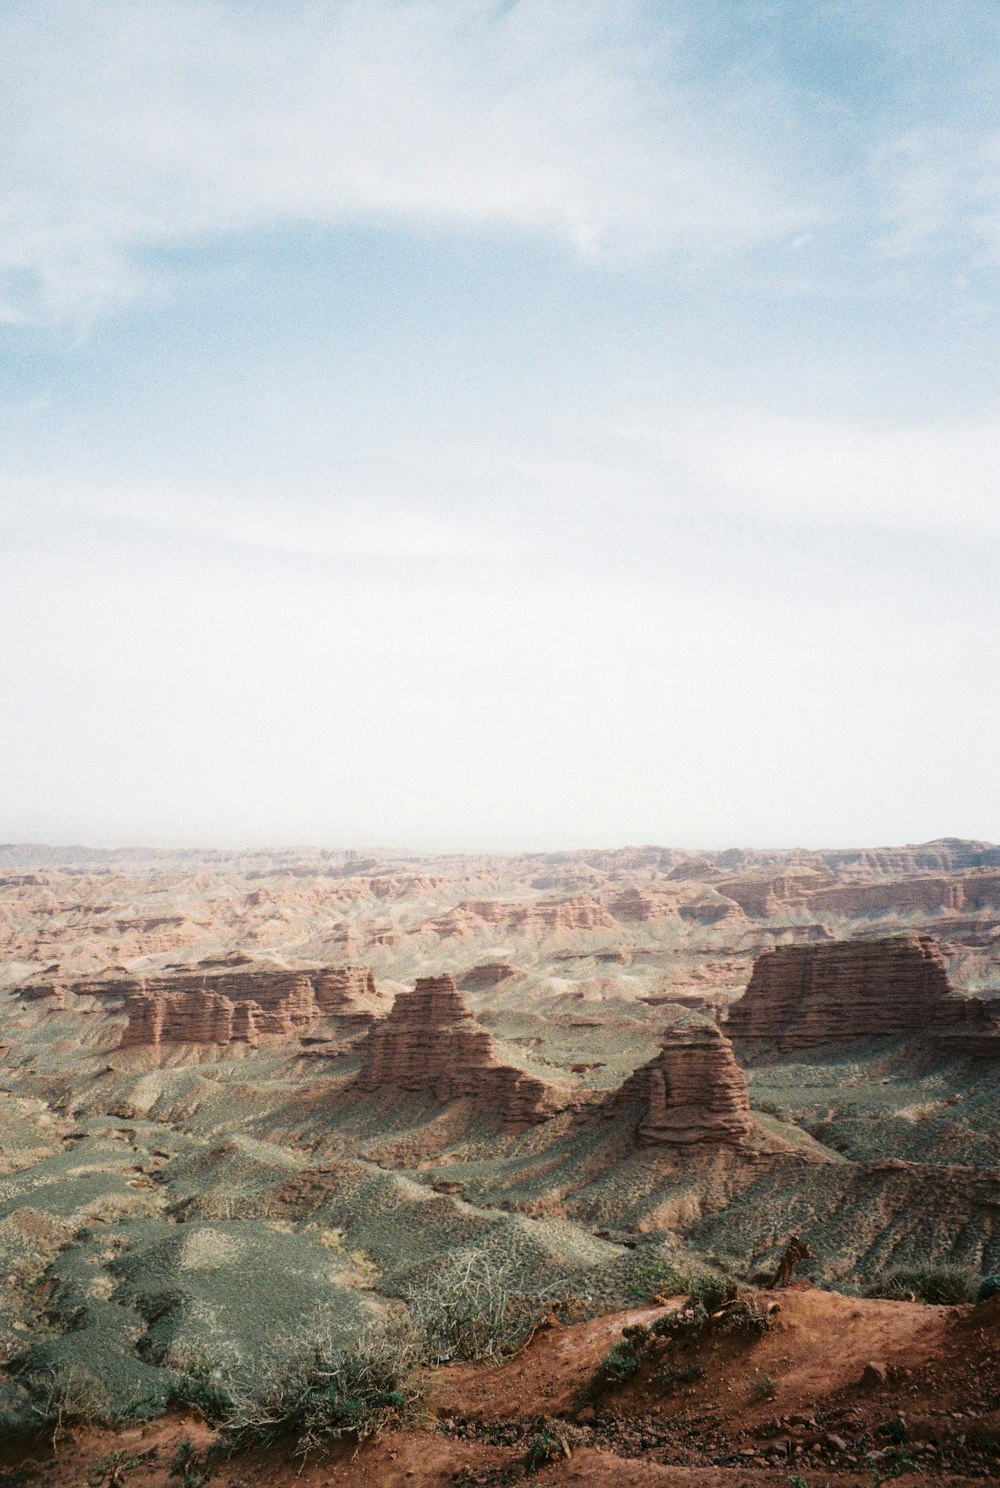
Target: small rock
(874,1375)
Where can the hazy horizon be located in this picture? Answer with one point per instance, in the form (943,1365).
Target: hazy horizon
(464,421)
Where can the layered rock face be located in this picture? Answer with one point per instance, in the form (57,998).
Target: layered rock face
(490,974)
(350,994)
(431,1043)
(243,1007)
(543,916)
(805,995)
(766,895)
(692,1093)
(703,905)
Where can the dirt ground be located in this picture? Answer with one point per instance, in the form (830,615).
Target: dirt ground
(791,1408)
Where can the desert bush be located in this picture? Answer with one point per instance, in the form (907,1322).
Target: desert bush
(206,1389)
(945,1285)
(68,1397)
(312,1389)
(763,1386)
(552,1440)
(478,1312)
(748,1316)
(650,1279)
(715,1304)
(988,1287)
(619,1364)
(686,1374)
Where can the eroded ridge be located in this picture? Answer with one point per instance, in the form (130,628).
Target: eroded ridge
(244,1007)
(801,996)
(692,1092)
(431,1043)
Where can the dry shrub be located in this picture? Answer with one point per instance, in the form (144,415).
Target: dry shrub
(476,1310)
(312,1389)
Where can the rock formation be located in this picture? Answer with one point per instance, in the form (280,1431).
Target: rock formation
(431,1043)
(350,994)
(540,916)
(764,895)
(805,995)
(692,1093)
(489,974)
(243,1007)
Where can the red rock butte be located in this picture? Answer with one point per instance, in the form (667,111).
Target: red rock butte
(241,1007)
(801,996)
(431,1043)
(692,1093)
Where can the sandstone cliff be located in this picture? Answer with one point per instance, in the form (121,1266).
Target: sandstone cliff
(244,1006)
(489,974)
(538,917)
(430,1042)
(693,1092)
(804,995)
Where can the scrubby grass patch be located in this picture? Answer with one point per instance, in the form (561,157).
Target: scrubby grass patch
(942,1285)
(552,1440)
(311,1389)
(714,1305)
(479,1310)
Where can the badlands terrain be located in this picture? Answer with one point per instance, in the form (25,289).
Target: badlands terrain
(465,1120)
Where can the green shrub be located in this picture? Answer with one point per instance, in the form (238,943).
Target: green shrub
(651,1279)
(312,1390)
(552,1440)
(619,1364)
(686,1374)
(942,1285)
(763,1386)
(988,1287)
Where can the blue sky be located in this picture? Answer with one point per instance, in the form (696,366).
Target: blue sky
(479,424)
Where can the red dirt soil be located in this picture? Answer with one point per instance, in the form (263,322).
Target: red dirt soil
(788,1407)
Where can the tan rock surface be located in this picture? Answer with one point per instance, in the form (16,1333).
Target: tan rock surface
(692,1092)
(805,995)
(430,1042)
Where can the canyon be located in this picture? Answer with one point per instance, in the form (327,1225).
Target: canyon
(242,1090)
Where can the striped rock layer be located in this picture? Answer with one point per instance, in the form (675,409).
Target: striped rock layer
(802,996)
(431,1043)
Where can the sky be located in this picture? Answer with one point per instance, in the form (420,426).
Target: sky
(499,424)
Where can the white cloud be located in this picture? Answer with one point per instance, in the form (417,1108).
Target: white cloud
(787,468)
(135,125)
(338,527)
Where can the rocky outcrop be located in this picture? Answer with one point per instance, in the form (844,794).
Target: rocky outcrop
(431,1043)
(701,904)
(541,916)
(693,1093)
(925,895)
(489,974)
(244,1007)
(764,895)
(350,994)
(801,996)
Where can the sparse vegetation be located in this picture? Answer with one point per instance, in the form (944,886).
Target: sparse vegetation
(942,1285)
(483,1312)
(312,1388)
(552,1440)
(619,1364)
(763,1386)
(69,1397)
